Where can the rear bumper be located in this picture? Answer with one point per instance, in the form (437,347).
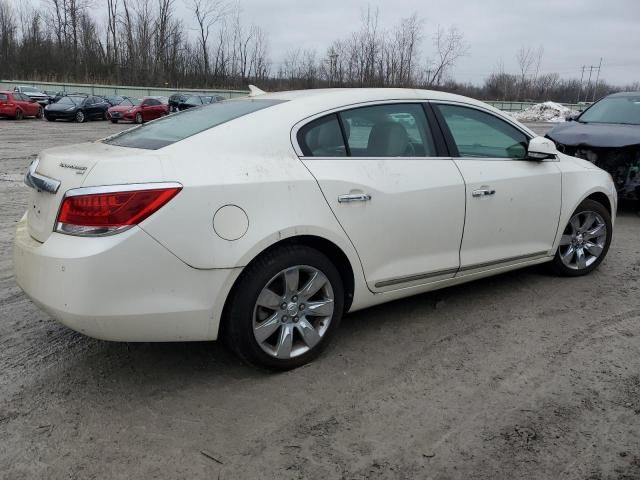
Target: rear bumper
(125,287)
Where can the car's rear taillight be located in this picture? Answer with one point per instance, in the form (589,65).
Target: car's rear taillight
(95,211)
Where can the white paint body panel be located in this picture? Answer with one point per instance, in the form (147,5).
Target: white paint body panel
(519,219)
(168,278)
(415,238)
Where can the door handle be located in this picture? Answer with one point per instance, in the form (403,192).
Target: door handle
(483,192)
(354,197)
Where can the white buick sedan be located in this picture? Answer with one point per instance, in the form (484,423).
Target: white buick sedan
(263,220)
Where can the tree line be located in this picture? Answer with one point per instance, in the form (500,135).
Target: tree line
(145,42)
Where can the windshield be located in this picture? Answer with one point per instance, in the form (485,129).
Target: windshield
(71,100)
(130,101)
(30,90)
(176,127)
(624,110)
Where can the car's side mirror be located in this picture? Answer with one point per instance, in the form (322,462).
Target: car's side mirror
(571,117)
(541,148)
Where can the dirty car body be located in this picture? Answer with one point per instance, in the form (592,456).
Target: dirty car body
(265,219)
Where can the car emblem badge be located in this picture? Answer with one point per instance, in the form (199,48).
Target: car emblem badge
(78,168)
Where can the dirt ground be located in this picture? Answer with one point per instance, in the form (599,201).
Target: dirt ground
(523,375)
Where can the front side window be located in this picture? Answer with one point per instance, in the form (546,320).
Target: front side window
(480,134)
(322,138)
(173,128)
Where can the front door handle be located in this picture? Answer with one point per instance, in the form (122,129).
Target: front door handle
(483,192)
(354,197)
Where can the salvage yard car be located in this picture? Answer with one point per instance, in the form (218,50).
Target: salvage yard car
(77,108)
(608,135)
(138,111)
(17,105)
(262,220)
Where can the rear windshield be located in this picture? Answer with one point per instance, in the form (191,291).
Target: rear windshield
(178,126)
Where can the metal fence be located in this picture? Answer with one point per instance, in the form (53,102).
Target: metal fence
(519,106)
(147,91)
(116,89)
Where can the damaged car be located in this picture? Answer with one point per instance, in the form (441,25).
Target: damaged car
(608,135)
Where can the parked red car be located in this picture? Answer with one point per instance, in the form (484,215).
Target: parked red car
(136,110)
(18,105)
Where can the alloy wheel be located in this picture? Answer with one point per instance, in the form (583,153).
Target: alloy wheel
(293,312)
(583,240)
(80,116)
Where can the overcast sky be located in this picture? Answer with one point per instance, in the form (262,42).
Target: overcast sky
(572,32)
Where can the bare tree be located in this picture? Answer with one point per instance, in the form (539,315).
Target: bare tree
(208,13)
(450,47)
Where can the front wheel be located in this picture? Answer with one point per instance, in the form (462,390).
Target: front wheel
(285,307)
(80,116)
(585,240)
(139,118)
(113,120)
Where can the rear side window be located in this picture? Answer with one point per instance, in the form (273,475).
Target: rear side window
(480,134)
(322,138)
(3,96)
(176,127)
(393,130)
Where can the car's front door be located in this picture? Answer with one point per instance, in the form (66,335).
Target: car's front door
(399,200)
(512,203)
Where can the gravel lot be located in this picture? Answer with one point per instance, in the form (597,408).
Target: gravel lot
(523,375)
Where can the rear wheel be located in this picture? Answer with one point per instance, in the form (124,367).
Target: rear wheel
(285,308)
(585,240)
(104,115)
(19,114)
(40,113)
(80,116)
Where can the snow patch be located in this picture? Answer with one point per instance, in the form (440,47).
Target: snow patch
(544,112)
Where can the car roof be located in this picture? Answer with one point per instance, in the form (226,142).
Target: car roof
(303,103)
(335,97)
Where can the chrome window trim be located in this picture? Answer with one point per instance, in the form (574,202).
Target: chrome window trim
(301,123)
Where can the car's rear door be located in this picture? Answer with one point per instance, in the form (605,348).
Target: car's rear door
(399,198)
(512,203)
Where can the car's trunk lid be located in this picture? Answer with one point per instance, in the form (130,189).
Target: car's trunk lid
(70,166)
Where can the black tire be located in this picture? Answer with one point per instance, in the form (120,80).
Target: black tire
(114,120)
(237,328)
(139,118)
(80,117)
(40,113)
(49,119)
(104,115)
(19,114)
(586,206)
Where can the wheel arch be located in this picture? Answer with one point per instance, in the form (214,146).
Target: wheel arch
(335,254)
(601,198)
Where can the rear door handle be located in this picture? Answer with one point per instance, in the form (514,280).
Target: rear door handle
(354,197)
(483,192)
